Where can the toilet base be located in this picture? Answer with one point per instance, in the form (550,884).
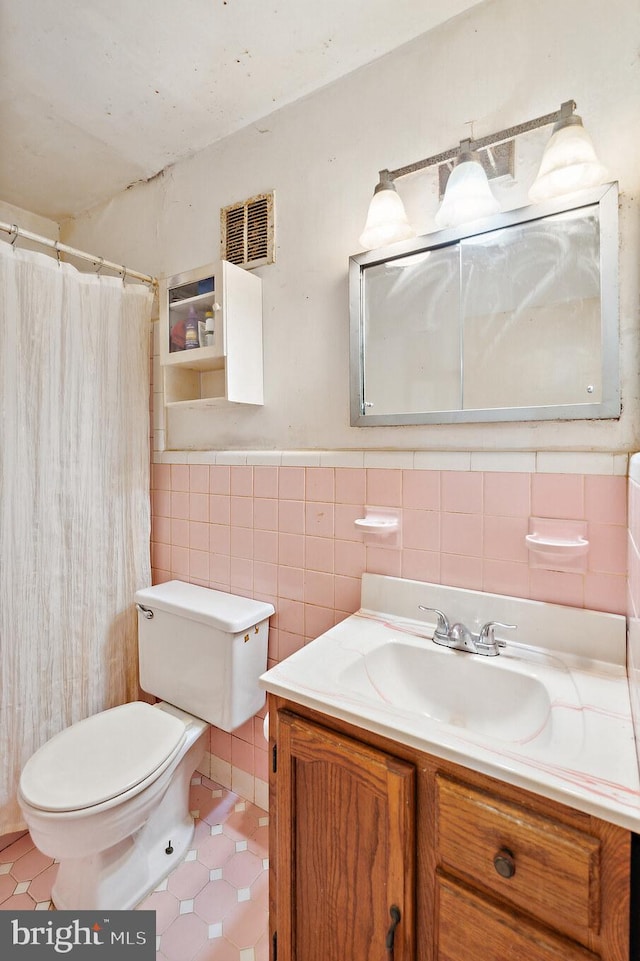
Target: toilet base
(120,877)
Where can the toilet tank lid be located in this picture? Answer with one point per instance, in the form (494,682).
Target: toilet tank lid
(227,612)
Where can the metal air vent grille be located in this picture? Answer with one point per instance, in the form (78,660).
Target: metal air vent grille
(247,231)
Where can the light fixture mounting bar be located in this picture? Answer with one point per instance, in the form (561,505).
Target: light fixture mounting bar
(565,110)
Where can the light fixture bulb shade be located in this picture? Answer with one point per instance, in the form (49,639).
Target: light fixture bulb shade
(467,196)
(568,163)
(386,220)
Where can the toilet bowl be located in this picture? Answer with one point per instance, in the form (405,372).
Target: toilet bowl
(108,797)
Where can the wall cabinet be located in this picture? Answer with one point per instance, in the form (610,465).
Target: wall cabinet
(479,870)
(211,337)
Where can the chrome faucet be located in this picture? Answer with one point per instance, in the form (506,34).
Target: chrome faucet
(458,637)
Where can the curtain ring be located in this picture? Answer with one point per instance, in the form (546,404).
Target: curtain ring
(99,266)
(15,233)
(57,248)
(123,271)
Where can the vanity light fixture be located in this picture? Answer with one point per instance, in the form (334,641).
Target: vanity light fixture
(387,220)
(569,161)
(568,164)
(468,194)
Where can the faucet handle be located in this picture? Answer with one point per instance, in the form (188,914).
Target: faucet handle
(442,627)
(486,635)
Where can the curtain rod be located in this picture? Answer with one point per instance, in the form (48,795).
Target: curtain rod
(99,262)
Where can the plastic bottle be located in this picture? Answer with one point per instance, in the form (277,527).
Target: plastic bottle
(191,330)
(209,329)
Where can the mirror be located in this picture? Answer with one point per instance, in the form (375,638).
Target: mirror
(514,319)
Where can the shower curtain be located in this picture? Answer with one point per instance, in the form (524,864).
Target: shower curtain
(74,500)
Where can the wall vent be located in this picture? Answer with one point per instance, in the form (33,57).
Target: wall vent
(247,231)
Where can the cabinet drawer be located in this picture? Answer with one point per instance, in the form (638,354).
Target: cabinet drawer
(476,930)
(549,870)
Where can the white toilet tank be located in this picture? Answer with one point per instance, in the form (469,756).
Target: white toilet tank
(203,650)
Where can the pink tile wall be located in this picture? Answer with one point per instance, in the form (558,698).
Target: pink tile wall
(286,535)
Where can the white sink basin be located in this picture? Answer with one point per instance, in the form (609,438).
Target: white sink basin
(515,699)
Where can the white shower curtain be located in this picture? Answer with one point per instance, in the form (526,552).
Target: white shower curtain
(74,499)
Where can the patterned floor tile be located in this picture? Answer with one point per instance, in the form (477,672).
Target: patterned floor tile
(215,901)
(212,907)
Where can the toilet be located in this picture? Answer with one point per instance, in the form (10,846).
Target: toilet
(108,797)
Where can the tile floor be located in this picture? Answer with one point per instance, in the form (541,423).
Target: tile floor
(212,907)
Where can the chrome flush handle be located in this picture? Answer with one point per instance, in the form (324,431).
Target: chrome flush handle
(145,611)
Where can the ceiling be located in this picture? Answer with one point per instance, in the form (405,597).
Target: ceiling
(98,94)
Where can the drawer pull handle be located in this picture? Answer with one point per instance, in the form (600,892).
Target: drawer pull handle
(394,911)
(504,863)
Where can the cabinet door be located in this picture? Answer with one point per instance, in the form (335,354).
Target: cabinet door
(346,847)
(471,929)
(242,314)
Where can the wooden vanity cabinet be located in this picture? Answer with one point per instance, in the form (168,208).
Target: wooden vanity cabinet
(346,842)
(479,870)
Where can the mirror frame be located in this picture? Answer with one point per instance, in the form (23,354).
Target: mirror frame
(606,197)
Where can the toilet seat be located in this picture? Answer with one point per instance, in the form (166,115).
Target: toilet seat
(101,757)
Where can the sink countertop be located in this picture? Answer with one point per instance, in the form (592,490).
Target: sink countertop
(595,772)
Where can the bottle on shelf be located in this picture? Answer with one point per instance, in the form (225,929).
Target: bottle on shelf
(209,328)
(191,339)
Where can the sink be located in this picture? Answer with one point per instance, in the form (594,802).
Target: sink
(550,714)
(502,698)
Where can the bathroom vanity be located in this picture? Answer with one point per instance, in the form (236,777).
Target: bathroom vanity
(416,818)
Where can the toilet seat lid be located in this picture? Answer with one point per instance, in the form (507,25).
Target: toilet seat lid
(101,757)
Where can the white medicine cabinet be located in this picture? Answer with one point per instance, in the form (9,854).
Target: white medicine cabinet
(211,337)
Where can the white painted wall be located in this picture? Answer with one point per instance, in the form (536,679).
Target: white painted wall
(499,64)
(36,224)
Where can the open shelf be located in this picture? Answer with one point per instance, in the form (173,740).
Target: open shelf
(229,371)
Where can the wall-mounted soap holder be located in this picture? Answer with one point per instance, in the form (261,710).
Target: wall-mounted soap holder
(557,545)
(380,524)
